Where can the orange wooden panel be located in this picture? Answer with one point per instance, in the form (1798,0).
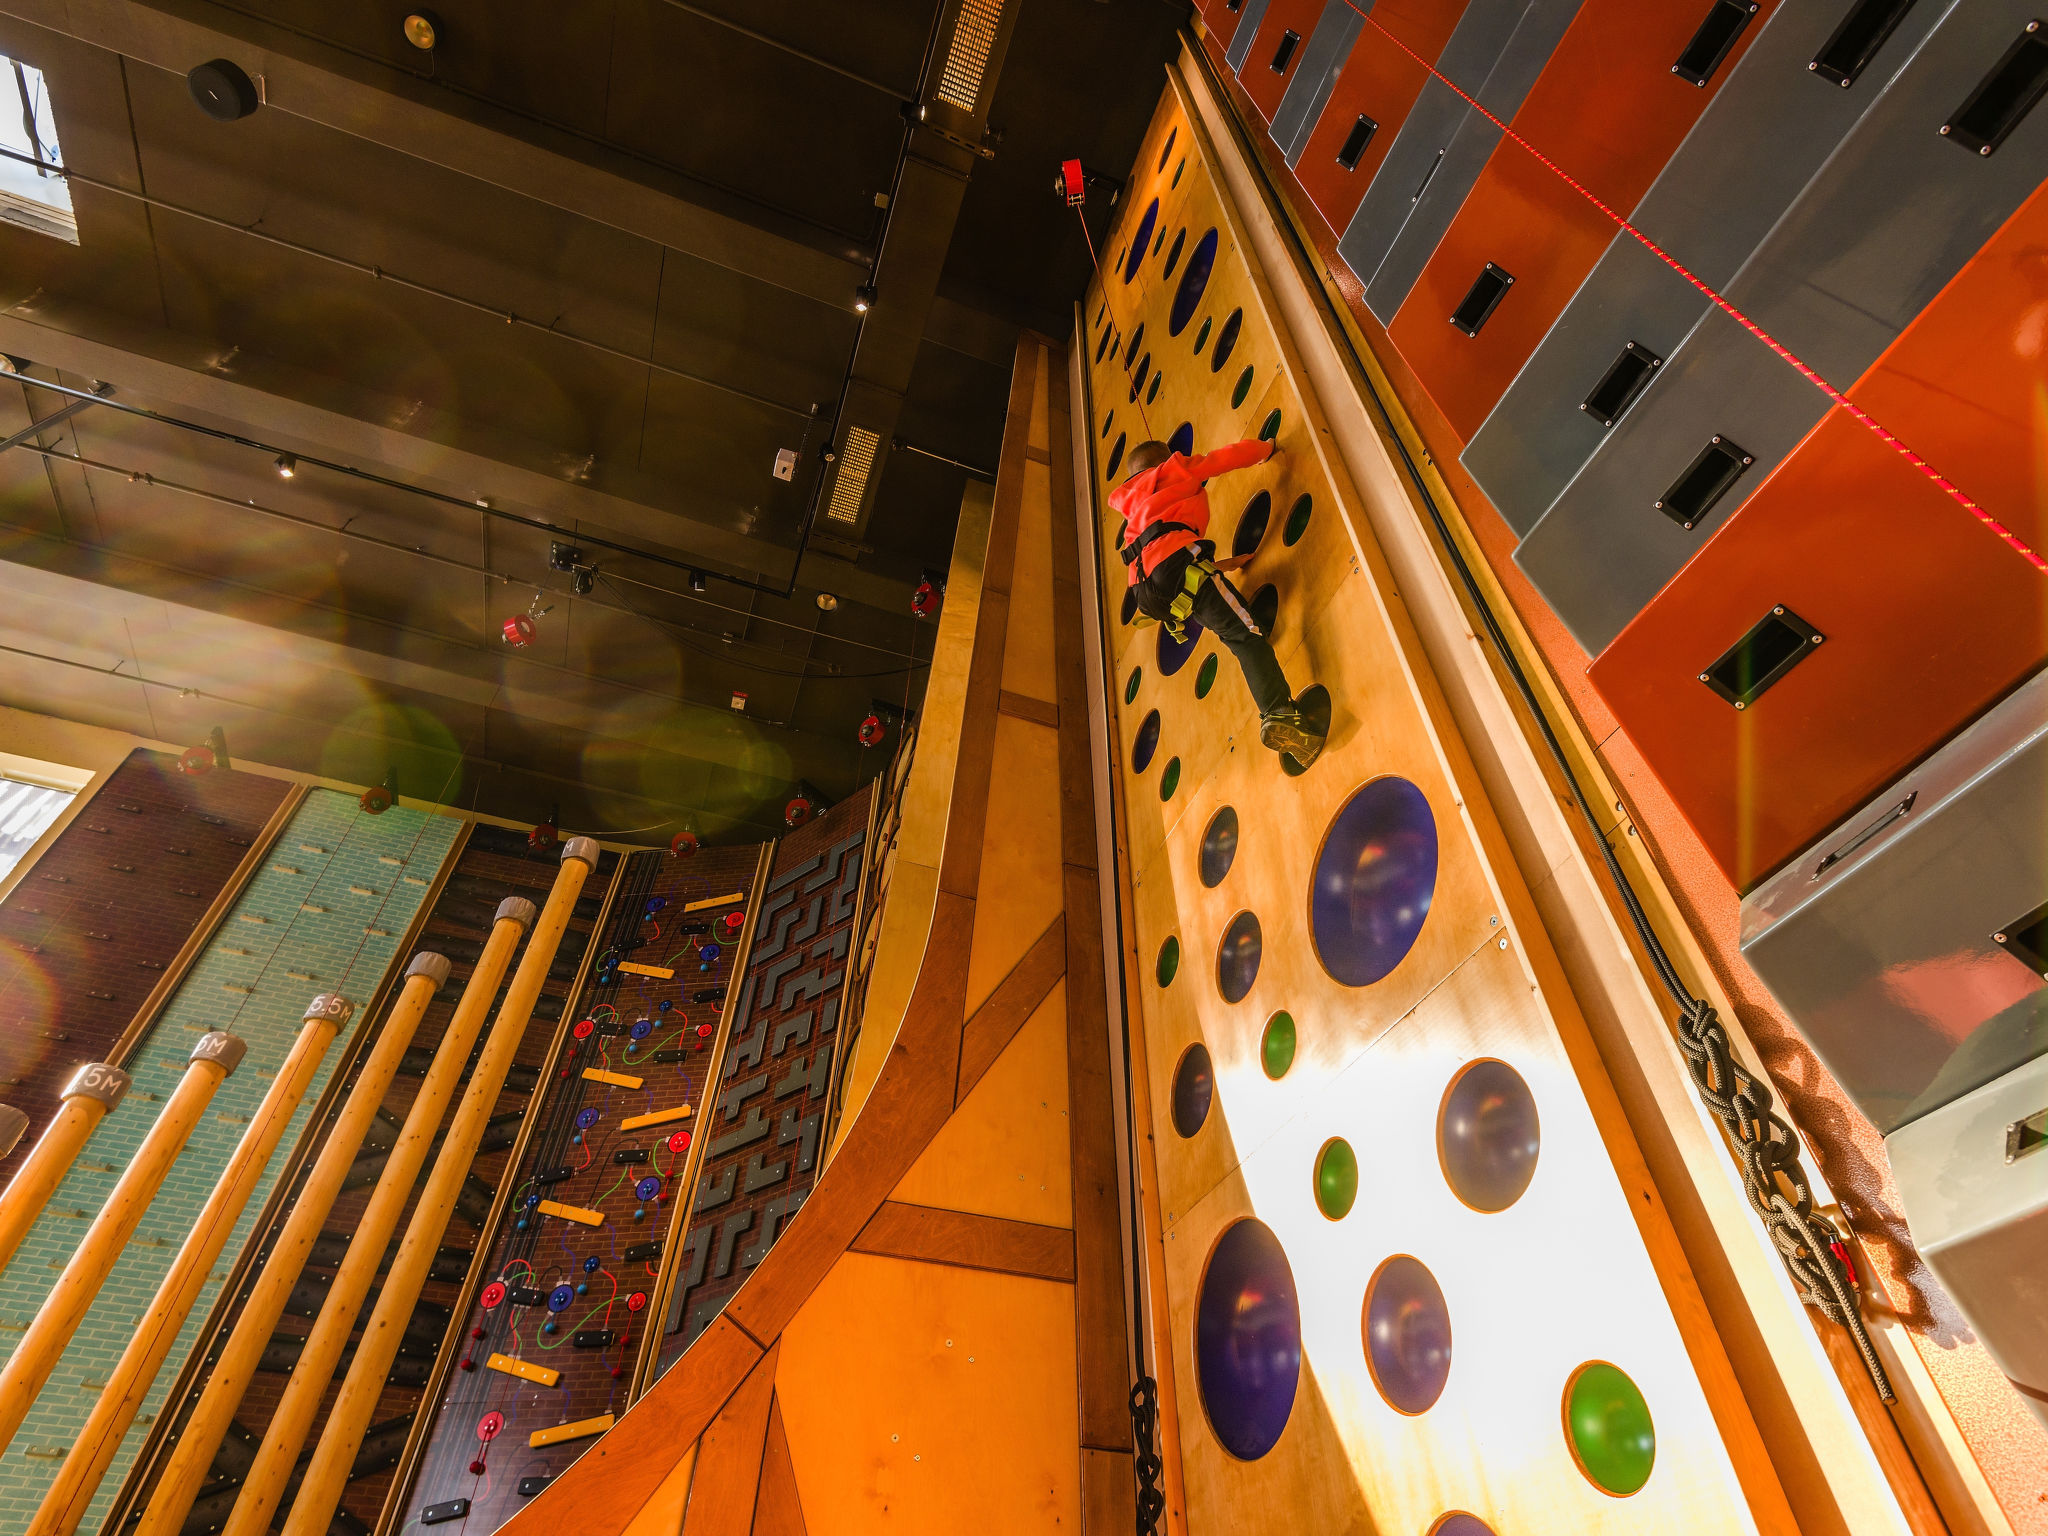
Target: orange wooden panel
(1264,84)
(1928,618)
(1608,110)
(1967,383)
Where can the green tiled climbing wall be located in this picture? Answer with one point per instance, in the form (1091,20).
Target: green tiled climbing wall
(325,913)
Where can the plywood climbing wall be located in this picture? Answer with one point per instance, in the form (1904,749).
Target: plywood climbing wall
(1407,1241)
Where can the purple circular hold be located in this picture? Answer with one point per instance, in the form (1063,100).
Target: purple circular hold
(1488,1135)
(1248,1340)
(1146,744)
(647,1188)
(1183,438)
(1375,877)
(1458,1523)
(1194,278)
(1141,242)
(560,1297)
(1174,654)
(1194,1089)
(641,1029)
(1407,1335)
(586,1118)
(1237,957)
(1219,847)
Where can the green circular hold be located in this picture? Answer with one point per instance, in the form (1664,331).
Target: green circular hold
(1176,175)
(1169,778)
(1337,1178)
(1271,429)
(1608,1425)
(1153,393)
(1297,519)
(1131,687)
(1202,336)
(1206,678)
(1276,1046)
(1169,960)
(1244,387)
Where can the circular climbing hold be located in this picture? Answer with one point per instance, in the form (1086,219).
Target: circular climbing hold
(576,1140)
(1265,607)
(560,1298)
(467,1363)
(703,1031)
(1226,340)
(1609,1428)
(1276,1045)
(1141,240)
(1128,610)
(1176,173)
(1169,960)
(1248,1340)
(489,1425)
(1407,1334)
(1251,523)
(641,1029)
(591,1265)
(547,1327)
(491,1295)
(636,1301)
(1102,347)
(1169,778)
(1219,846)
(647,1188)
(586,1118)
(584,1029)
(1237,957)
(519,1225)
(1269,429)
(1488,1135)
(664,1005)
(1182,439)
(1146,743)
(640,1214)
(1107,420)
(709,952)
(682,845)
(1171,134)
(1201,338)
(1243,388)
(1458,1523)
(1336,1178)
(583,1288)
(532,1201)
(1205,679)
(733,922)
(1116,457)
(679,1141)
(1157,379)
(477,1469)
(1137,340)
(1138,375)
(1297,519)
(1194,1089)
(1173,654)
(476,1333)
(1131,684)
(1375,876)
(1194,281)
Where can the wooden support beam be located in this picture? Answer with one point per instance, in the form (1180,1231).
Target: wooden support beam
(964,1240)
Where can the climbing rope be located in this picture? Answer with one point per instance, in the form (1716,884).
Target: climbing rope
(1115,322)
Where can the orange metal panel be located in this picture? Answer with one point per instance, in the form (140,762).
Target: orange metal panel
(1928,618)
(1221,18)
(1967,383)
(1378,81)
(1263,83)
(1608,110)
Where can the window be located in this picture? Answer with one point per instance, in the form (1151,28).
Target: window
(32,192)
(26,811)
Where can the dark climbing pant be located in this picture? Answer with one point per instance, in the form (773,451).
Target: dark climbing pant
(1221,609)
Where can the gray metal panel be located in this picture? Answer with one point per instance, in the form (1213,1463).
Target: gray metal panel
(1898,209)
(1471,145)
(1246,34)
(1760,141)
(1536,438)
(1981,1222)
(1316,75)
(1886,961)
(1603,550)
(1483,30)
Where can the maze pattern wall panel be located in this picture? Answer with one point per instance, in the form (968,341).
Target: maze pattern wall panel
(493,863)
(765,1132)
(105,909)
(1365,1114)
(553,1333)
(325,913)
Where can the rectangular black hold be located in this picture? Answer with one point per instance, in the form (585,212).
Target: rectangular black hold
(1356,142)
(1705,481)
(2026,1135)
(2026,940)
(446,1510)
(1482,299)
(1855,42)
(613,1027)
(552,1175)
(641,1253)
(708,995)
(525,1296)
(1625,379)
(697,926)
(1777,643)
(1864,834)
(529,1486)
(663,1058)
(1723,24)
(627,1155)
(592,1338)
(2003,96)
(1283,54)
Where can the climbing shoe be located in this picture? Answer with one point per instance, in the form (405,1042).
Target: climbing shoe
(1287,730)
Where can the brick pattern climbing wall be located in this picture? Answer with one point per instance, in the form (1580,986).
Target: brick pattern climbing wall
(493,864)
(768,1123)
(86,935)
(326,911)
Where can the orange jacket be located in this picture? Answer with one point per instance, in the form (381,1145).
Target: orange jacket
(1173,493)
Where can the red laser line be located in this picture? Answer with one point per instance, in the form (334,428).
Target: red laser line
(1883,434)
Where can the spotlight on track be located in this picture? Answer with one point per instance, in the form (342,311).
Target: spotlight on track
(287,466)
(863,298)
(827,602)
(423,30)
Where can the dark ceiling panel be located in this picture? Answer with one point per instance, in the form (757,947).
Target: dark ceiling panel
(720,324)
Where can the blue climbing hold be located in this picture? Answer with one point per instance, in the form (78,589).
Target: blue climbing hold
(590,1265)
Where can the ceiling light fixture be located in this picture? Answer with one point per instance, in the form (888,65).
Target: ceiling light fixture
(423,30)
(863,298)
(287,466)
(698,581)
(827,601)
